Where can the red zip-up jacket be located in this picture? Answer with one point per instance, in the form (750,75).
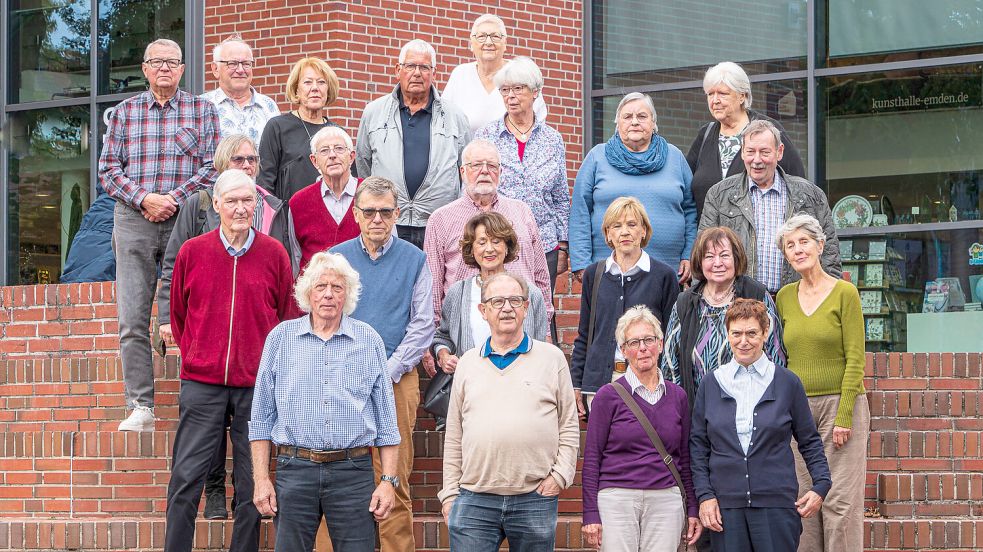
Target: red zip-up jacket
(223,307)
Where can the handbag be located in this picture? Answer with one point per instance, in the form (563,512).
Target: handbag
(437,397)
(654,436)
(598,274)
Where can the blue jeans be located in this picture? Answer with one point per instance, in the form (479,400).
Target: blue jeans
(479,522)
(340,491)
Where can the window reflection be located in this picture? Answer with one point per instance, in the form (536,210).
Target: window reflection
(50,45)
(125,29)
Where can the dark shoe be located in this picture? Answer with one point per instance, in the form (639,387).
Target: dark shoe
(215,506)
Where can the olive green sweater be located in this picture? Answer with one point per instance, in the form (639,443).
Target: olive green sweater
(826,349)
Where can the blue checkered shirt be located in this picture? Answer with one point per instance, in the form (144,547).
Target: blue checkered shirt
(769,216)
(324,395)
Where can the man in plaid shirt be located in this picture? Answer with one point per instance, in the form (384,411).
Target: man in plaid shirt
(158,152)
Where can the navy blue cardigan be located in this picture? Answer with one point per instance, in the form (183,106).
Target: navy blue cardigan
(717,460)
(657,289)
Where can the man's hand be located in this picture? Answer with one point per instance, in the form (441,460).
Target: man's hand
(809,504)
(447,361)
(562,260)
(548,487)
(166,335)
(694,530)
(382,501)
(683,272)
(840,436)
(579,275)
(581,408)
(445,510)
(592,534)
(264,497)
(158,207)
(710,515)
(427,361)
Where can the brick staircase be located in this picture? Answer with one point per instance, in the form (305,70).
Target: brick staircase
(69,481)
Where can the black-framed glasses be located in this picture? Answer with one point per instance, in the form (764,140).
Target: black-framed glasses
(480,165)
(157,63)
(515,301)
(485,37)
(233,63)
(518,90)
(635,344)
(370,214)
(413,67)
(240,159)
(337,150)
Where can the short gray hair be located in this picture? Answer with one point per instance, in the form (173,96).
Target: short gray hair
(232,179)
(319,264)
(234,37)
(376,186)
(478,143)
(730,75)
(227,147)
(503,275)
(420,47)
(330,132)
(759,126)
(492,18)
(800,221)
(638,313)
(163,42)
(520,70)
(646,99)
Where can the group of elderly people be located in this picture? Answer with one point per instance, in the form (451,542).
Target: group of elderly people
(715,337)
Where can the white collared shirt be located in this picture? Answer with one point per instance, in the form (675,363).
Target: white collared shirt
(338,206)
(650,397)
(746,384)
(249,119)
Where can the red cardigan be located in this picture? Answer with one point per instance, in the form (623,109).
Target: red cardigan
(314,227)
(222,307)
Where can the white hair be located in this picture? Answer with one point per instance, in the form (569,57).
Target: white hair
(234,37)
(163,42)
(478,143)
(631,97)
(520,70)
(489,17)
(330,132)
(730,75)
(800,221)
(638,313)
(420,47)
(319,264)
(232,179)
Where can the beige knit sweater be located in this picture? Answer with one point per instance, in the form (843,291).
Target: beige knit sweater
(509,429)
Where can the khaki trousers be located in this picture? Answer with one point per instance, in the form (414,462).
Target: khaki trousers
(396,532)
(637,519)
(840,524)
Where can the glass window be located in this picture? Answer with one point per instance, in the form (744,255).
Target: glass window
(639,42)
(874,31)
(125,29)
(48,190)
(49,50)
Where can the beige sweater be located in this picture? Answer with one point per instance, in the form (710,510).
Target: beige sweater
(509,429)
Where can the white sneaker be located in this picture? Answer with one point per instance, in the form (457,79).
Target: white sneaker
(141,419)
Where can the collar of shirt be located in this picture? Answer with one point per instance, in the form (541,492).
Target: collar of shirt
(348,191)
(634,383)
(643,264)
(173,102)
(759,369)
(345,328)
(382,250)
(220,96)
(402,104)
(503,360)
(478,207)
(500,129)
(232,250)
(778,187)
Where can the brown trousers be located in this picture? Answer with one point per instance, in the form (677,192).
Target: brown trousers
(396,532)
(840,524)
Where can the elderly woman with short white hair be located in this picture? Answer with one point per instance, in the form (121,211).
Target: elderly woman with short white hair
(323,396)
(635,162)
(471,86)
(714,153)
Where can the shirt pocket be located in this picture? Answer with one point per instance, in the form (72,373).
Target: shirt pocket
(186,141)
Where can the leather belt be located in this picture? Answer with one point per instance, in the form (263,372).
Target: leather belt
(620,366)
(322,456)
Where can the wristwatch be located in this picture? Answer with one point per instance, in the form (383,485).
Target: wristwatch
(393,479)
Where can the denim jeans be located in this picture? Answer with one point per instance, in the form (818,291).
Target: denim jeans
(339,491)
(479,522)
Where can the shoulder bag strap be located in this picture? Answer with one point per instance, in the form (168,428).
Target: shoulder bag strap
(598,273)
(204,200)
(653,435)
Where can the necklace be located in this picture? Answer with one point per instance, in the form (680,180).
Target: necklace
(523,134)
(303,122)
(719,300)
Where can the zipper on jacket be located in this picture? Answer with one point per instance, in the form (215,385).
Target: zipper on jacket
(232,311)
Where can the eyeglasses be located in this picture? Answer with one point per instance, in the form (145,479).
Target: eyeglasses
(240,159)
(518,90)
(370,214)
(481,165)
(485,37)
(233,63)
(750,334)
(497,303)
(157,63)
(635,344)
(328,150)
(232,203)
(413,67)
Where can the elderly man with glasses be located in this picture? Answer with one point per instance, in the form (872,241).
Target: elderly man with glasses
(241,109)
(512,432)
(414,139)
(157,153)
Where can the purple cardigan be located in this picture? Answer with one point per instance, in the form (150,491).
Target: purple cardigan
(619,454)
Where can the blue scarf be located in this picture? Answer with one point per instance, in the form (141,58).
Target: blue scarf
(636,163)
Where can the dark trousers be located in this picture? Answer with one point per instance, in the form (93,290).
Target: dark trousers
(552,260)
(338,491)
(758,530)
(200,428)
(215,482)
(412,234)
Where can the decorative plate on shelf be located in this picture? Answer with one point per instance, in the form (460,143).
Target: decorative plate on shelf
(852,211)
